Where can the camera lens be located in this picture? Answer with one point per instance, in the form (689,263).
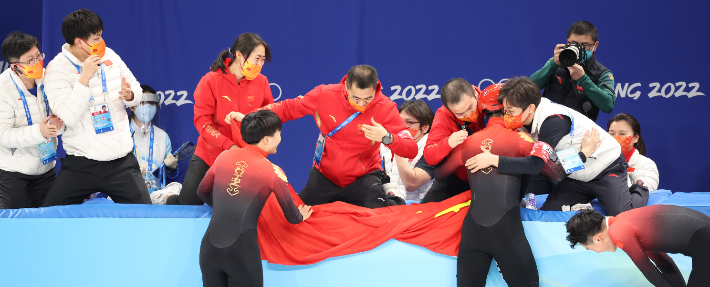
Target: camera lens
(569,56)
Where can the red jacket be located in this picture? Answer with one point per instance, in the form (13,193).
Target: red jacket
(445,123)
(348,155)
(217,94)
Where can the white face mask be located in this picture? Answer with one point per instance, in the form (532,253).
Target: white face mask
(145,113)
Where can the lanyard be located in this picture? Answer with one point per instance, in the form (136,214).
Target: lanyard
(103,77)
(24,101)
(150,149)
(571,117)
(343,124)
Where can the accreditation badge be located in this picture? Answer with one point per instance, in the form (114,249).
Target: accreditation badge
(101,117)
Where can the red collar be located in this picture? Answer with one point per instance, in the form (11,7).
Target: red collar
(229,76)
(629,153)
(256,149)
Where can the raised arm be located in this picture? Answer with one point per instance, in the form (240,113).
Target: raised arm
(291,109)
(67,102)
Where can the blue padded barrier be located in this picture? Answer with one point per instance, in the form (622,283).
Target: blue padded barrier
(699,201)
(164,252)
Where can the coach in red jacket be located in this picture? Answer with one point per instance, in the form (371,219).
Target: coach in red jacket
(348,167)
(234,84)
(458,118)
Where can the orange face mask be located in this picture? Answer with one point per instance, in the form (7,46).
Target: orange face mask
(625,143)
(413,132)
(250,71)
(35,71)
(515,122)
(357,107)
(471,118)
(97,49)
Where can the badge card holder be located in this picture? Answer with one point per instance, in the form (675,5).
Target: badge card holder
(47,151)
(101,117)
(570,160)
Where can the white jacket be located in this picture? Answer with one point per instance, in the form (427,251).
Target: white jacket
(393,172)
(161,145)
(18,141)
(70,100)
(644,169)
(608,152)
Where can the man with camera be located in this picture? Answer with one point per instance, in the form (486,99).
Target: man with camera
(575,79)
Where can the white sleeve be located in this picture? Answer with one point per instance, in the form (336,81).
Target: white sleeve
(67,102)
(651,177)
(15,137)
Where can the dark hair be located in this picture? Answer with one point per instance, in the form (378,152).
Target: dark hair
(81,24)
(583,28)
(635,126)
(17,44)
(363,76)
(453,90)
(583,226)
(259,124)
(420,111)
(148,89)
(244,44)
(520,92)
(492,113)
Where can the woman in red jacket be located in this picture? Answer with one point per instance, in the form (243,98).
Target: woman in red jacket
(234,84)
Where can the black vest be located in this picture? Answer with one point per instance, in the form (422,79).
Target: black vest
(562,89)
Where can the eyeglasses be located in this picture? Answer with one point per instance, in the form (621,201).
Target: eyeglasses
(584,45)
(32,61)
(409,123)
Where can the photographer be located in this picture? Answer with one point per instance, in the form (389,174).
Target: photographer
(586,86)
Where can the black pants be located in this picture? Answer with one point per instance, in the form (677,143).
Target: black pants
(196,171)
(610,187)
(700,252)
(18,190)
(445,189)
(503,241)
(540,184)
(79,177)
(236,265)
(366,191)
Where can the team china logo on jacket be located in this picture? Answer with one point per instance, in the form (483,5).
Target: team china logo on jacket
(526,137)
(280,173)
(233,188)
(487,144)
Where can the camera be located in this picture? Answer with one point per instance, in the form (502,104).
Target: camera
(571,54)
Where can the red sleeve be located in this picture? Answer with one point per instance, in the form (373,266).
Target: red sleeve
(624,236)
(451,164)
(205,109)
(437,144)
(205,189)
(402,142)
(268,97)
(292,109)
(237,134)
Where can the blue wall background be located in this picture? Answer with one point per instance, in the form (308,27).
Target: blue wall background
(169,45)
